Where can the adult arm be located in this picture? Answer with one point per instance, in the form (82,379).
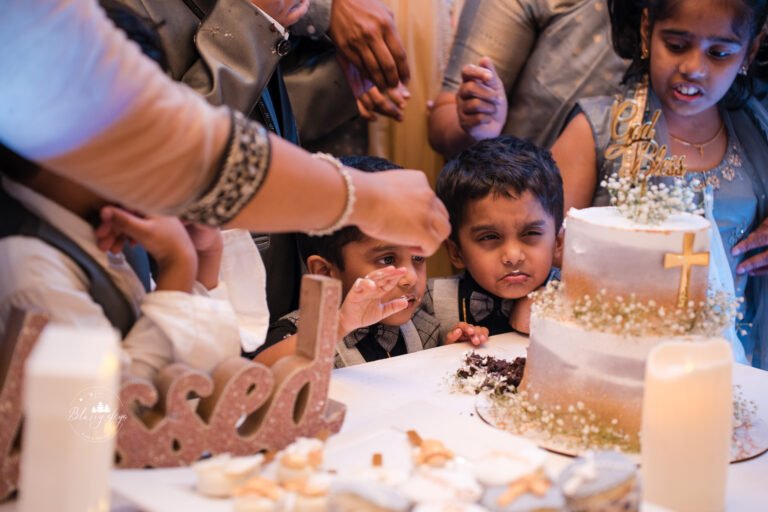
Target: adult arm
(83,101)
(575,155)
(503,31)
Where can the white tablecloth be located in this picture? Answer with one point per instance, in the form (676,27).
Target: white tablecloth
(374,389)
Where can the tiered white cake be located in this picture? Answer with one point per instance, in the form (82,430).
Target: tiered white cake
(590,337)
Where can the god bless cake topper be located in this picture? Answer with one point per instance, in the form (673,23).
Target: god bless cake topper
(634,143)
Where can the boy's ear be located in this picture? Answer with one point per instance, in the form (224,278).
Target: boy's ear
(454,254)
(321,266)
(557,258)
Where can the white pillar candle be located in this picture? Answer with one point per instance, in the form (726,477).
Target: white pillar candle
(686,426)
(70,420)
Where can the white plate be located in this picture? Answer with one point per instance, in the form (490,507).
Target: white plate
(173,490)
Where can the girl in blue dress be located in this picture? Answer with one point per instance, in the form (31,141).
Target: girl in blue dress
(696,62)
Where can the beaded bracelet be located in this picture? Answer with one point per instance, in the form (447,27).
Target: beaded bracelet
(350,203)
(240,175)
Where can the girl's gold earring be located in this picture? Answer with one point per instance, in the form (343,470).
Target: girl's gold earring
(644,53)
(743,70)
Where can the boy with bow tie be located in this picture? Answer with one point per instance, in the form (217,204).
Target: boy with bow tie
(505,200)
(361,262)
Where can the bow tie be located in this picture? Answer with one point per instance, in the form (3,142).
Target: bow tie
(482,305)
(386,336)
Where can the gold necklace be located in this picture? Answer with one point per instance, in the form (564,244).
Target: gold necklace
(700,146)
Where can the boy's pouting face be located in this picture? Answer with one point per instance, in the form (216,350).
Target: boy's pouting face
(507,244)
(369,254)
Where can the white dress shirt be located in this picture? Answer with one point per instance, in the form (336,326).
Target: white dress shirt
(200,329)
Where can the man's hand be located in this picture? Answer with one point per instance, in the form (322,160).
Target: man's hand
(467,333)
(370,100)
(364,304)
(481,101)
(756,265)
(365,34)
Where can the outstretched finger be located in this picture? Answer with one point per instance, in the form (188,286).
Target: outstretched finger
(494,81)
(393,306)
(371,66)
(758,238)
(397,50)
(753,264)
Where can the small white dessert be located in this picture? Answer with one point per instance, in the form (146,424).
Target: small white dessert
(299,460)
(501,468)
(310,495)
(218,476)
(442,485)
(429,452)
(450,507)
(259,495)
(360,495)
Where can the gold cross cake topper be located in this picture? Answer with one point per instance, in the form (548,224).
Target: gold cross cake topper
(685,261)
(634,142)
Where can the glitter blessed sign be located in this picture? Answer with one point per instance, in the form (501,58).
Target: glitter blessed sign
(242,407)
(634,143)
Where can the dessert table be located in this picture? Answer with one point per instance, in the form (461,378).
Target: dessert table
(381,389)
(385,385)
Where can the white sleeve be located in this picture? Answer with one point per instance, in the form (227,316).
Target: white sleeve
(202,331)
(80,99)
(243,284)
(174,326)
(34,275)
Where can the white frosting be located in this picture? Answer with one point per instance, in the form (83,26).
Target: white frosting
(254,504)
(605,251)
(442,485)
(449,507)
(218,476)
(373,492)
(596,353)
(501,468)
(303,446)
(609,217)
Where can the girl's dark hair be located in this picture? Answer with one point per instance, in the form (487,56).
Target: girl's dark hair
(626,16)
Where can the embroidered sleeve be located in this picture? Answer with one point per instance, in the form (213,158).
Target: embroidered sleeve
(239,178)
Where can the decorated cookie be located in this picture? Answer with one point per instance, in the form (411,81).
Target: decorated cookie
(528,493)
(442,485)
(218,476)
(429,452)
(310,494)
(259,495)
(299,460)
(360,496)
(604,481)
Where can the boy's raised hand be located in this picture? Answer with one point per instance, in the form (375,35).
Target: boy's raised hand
(363,304)
(165,238)
(467,333)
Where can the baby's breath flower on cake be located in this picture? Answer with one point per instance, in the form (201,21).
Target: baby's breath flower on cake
(647,203)
(573,426)
(629,316)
